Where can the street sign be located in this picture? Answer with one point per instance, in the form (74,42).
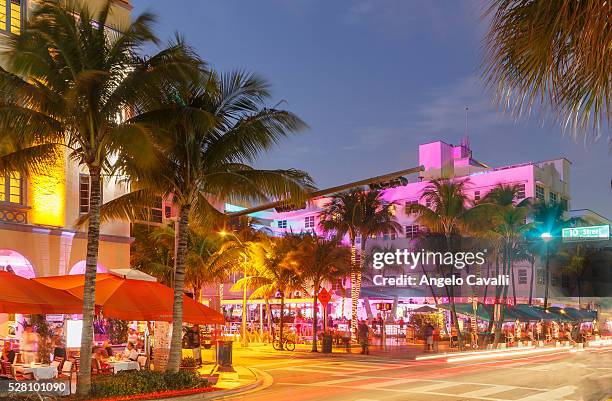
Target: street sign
(590,232)
(324,296)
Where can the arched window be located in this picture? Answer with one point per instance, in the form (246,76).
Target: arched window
(15,262)
(79,268)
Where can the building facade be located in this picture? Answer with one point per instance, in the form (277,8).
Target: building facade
(547,181)
(38,212)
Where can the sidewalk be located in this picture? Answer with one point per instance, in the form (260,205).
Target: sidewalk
(408,351)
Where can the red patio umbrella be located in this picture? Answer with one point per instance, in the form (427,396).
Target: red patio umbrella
(128,299)
(20,295)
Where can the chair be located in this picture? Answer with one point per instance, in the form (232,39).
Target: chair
(56,365)
(66,374)
(9,372)
(97,368)
(142,361)
(60,361)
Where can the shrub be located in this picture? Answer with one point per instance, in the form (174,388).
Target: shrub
(420,320)
(189,362)
(131,383)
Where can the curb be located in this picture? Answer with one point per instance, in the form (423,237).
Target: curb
(262,381)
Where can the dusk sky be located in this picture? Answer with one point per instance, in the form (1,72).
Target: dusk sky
(374,79)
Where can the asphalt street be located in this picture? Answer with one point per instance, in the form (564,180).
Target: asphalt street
(578,376)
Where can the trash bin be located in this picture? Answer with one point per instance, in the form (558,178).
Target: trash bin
(223,355)
(326,343)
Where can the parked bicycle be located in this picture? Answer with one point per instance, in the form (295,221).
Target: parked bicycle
(287,344)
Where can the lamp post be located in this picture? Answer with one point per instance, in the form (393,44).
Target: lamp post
(243,328)
(546,237)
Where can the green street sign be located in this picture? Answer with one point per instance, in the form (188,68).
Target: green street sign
(591,232)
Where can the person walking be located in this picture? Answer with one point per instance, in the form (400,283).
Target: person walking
(362,335)
(428,334)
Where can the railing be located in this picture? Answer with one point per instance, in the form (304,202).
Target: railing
(13,213)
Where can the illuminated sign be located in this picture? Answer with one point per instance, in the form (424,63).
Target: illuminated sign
(591,232)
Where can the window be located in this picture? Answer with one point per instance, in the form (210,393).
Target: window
(85,192)
(156,211)
(520,193)
(389,235)
(358,239)
(564,204)
(309,222)
(541,277)
(477,195)
(565,281)
(522,276)
(539,193)
(553,198)
(282,224)
(409,203)
(412,231)
(428,203)
(11,188)
(168,211)
(11,15)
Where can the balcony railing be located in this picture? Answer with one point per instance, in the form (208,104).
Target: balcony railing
(13,213)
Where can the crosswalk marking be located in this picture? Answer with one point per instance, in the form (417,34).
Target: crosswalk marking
(498,388)
(551,395)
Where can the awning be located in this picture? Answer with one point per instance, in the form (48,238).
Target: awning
(382,292)
(574,314)
(128,299)
(20,295)
(468,310)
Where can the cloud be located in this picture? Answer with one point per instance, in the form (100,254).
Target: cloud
(440,113)
(443,109)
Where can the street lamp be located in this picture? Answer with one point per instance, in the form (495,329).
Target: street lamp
(243,328)
(546,237)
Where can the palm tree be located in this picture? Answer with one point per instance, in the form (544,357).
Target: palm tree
(152,251)
(548,218)
(552,52)
(270,273)
(578,262)
(73,85)
(209,130)
(319,261)
(209,261)
(448,215)
(358,213)
(342,217)
(508,223)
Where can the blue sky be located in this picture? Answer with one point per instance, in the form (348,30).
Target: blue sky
(373,79)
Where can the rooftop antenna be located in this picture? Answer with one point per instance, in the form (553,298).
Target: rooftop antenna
(467,109)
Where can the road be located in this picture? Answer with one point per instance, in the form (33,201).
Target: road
(583,376)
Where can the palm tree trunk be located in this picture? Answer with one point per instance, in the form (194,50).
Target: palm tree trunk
(484,297)
(451,298)
(89,289)
(270,320)
(431,288)
(354,292)
(314,320)
(513,282)
(221,288)
(174,358)
(280,330)
(547,278)
(531,282)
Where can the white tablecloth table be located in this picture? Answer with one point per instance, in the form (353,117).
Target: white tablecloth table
(40,372)
(124,365)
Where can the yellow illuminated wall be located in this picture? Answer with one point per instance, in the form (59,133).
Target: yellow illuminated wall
(48,195)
